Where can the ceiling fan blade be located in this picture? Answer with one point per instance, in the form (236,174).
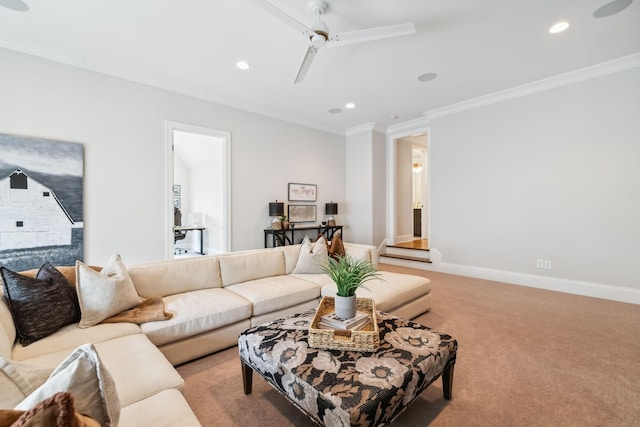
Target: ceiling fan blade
(371,34)
(268,7)
(18,5)
(306,63)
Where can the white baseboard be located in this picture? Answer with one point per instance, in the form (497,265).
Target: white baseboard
(590,289)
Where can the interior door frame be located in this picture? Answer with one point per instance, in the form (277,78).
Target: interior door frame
(392,136)
(225,136)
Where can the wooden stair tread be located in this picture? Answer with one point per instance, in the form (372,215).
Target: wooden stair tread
(408,248)
(408,258)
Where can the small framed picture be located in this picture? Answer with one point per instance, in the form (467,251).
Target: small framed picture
(302,213)
(177,203)
(302,192)
(177,190)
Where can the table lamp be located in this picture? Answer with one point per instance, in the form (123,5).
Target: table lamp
(331,209)
(276,210)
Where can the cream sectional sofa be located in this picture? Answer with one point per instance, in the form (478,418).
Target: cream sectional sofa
(213,299)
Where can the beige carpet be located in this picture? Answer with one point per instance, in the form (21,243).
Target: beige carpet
(526,357)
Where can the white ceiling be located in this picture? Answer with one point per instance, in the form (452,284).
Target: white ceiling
(476,47)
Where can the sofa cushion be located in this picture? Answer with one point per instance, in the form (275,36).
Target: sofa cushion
(19,380)
(366,252)
(72,336)
(41,305)
(137,367)
(197,312)
(105,293)
(313,256)
(275,293)
(165,409)
(83,375)
(390,291)
(251,265)
(176,276)
(291,253)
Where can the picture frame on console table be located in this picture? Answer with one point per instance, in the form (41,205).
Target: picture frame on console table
(301,213)
(302,192)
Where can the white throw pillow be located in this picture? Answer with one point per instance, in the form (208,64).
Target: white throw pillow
(312,257)
(19,380)
(84,376)
(105,293)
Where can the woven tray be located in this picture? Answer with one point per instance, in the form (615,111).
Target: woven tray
(365,339)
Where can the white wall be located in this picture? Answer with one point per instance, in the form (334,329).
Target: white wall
(122,126)
(379,188)
(554,175)
(359,185)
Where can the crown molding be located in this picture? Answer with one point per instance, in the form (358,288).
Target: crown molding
(365,127)
(610,67)
(409,126)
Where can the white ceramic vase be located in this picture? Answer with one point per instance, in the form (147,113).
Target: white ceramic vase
(345,307)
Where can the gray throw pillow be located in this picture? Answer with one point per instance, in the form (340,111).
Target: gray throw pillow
(39,306)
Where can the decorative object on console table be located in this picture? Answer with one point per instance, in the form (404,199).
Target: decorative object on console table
(302,192)
(348,273)
(331,209)
(285,222)
(276,210)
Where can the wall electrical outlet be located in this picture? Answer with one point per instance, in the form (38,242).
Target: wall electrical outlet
(543,264)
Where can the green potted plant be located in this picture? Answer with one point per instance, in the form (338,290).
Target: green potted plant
(349,273)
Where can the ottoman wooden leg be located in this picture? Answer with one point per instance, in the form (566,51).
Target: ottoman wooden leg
(247,377)
(447,381)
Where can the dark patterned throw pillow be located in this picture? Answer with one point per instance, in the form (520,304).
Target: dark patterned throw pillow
(39,306)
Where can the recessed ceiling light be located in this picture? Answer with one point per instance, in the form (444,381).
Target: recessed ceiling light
(611,8)
(335,110)
(243,65)
(350,105)
(559,27)
(427,77)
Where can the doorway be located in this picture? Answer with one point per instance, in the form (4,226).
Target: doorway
(408,189)
(198,176)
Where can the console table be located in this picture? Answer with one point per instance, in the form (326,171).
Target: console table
(287,237)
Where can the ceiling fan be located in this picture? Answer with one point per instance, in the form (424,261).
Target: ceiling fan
(319,35)
(18,5)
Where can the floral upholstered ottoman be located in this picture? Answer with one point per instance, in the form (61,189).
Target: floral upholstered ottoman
(343,388)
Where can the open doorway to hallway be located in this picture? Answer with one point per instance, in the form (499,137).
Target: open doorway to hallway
(411,191)
(199,179)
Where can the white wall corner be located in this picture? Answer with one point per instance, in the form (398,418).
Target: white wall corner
(609,67)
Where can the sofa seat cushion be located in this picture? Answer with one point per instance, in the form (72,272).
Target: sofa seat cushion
(275,293)
(320,279)
(197,312)
(168,408)
(71,337)
(138,368)
(390,291)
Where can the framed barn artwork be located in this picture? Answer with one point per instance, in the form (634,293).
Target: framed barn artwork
(41,202)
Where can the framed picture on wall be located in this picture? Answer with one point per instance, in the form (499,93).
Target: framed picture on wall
(177,190)
(302,192)
(302,213)
(177,203)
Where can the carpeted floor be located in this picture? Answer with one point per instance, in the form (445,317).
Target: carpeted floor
(526,357)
